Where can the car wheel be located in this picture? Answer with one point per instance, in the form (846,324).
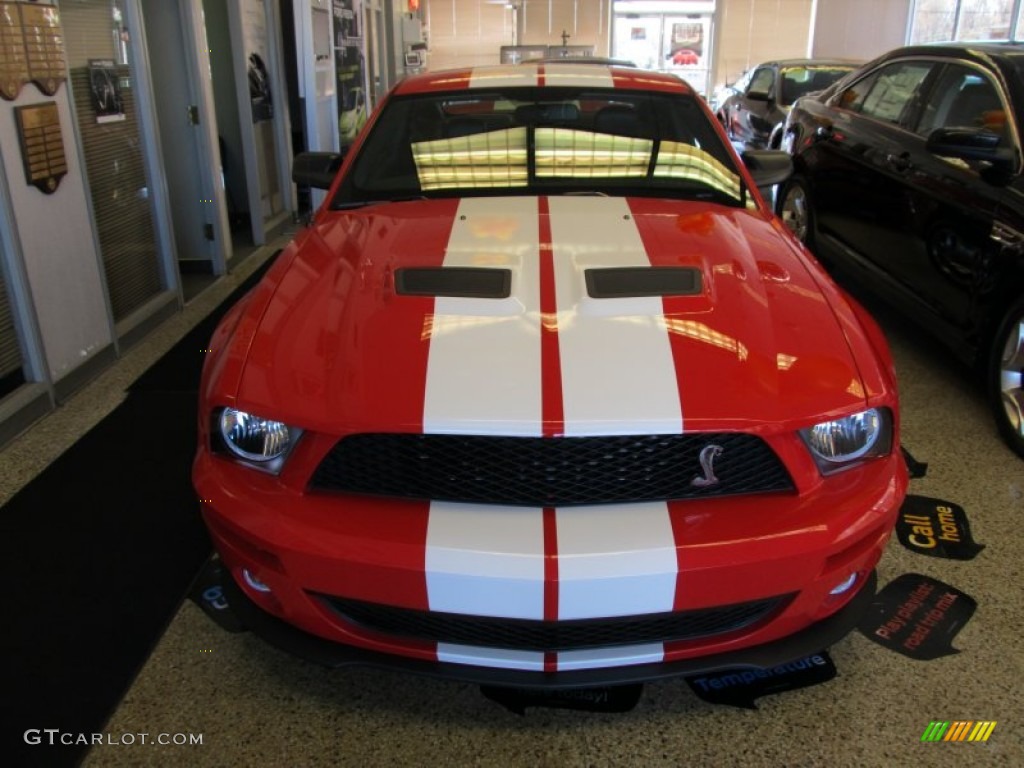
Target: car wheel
(1006,374)
(794,208)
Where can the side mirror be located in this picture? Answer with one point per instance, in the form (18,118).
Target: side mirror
(759,95)
(969,144)
(316,169)
(768,166)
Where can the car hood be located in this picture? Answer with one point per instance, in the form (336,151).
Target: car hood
(349,342)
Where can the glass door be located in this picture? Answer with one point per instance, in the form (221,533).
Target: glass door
(686,48)
(638,39)
(104,90)
(666,41)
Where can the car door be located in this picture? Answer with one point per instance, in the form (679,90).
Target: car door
(748,117)
(949,264)
(861,160)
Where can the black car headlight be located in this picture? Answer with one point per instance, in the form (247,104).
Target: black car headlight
(840,443)
(259,442)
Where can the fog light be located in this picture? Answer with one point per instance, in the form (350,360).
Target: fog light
(845,586)
(253,582)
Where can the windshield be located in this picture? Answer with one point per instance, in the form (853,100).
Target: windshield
(542,141)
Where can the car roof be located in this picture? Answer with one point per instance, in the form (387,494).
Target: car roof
(1004,57)
(1001,47)
(533,75)
(784,63)
(974,49)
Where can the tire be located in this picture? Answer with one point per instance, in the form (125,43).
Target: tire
(1006,377)
(793,205)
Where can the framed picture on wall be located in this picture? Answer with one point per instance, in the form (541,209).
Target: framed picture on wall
(105,91)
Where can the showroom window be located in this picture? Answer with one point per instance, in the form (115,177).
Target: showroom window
(941,20)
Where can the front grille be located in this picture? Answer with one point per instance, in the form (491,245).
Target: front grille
(522,634)
(548,472)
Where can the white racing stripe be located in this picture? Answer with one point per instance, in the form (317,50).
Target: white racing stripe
(485,560)
(490,657)
(615,560)
(527,75)
(621,656)
(511,75)
(618,375)
(483,370)
(581,75)
(484,377)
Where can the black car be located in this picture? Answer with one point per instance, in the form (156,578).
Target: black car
(754,113)
(909,175)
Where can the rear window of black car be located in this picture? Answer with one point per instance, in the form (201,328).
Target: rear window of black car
(542,141)
(799,81)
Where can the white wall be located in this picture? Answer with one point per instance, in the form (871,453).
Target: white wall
(466,33)
(860,30)
(585,21)
(56,237)
(752,31)
(470,33)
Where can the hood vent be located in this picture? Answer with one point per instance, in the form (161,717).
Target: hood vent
(463,282)
(631,282)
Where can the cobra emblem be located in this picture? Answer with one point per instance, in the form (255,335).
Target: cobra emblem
(708,455)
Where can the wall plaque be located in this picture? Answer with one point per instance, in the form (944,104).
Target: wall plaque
(31,48)
(44,46)
(13,61)
(42,145)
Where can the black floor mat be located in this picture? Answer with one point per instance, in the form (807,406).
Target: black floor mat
(97,554)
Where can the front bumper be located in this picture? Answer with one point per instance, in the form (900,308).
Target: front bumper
(306,547)
(814,638)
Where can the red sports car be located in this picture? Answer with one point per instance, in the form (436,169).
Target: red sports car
(546,396)
(684,57)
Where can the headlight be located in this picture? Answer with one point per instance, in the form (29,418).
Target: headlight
(256,439)
(839,443)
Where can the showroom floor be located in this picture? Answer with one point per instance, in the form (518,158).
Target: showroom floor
(253,705)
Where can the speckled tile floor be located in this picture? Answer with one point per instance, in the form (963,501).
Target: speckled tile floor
(253,705)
